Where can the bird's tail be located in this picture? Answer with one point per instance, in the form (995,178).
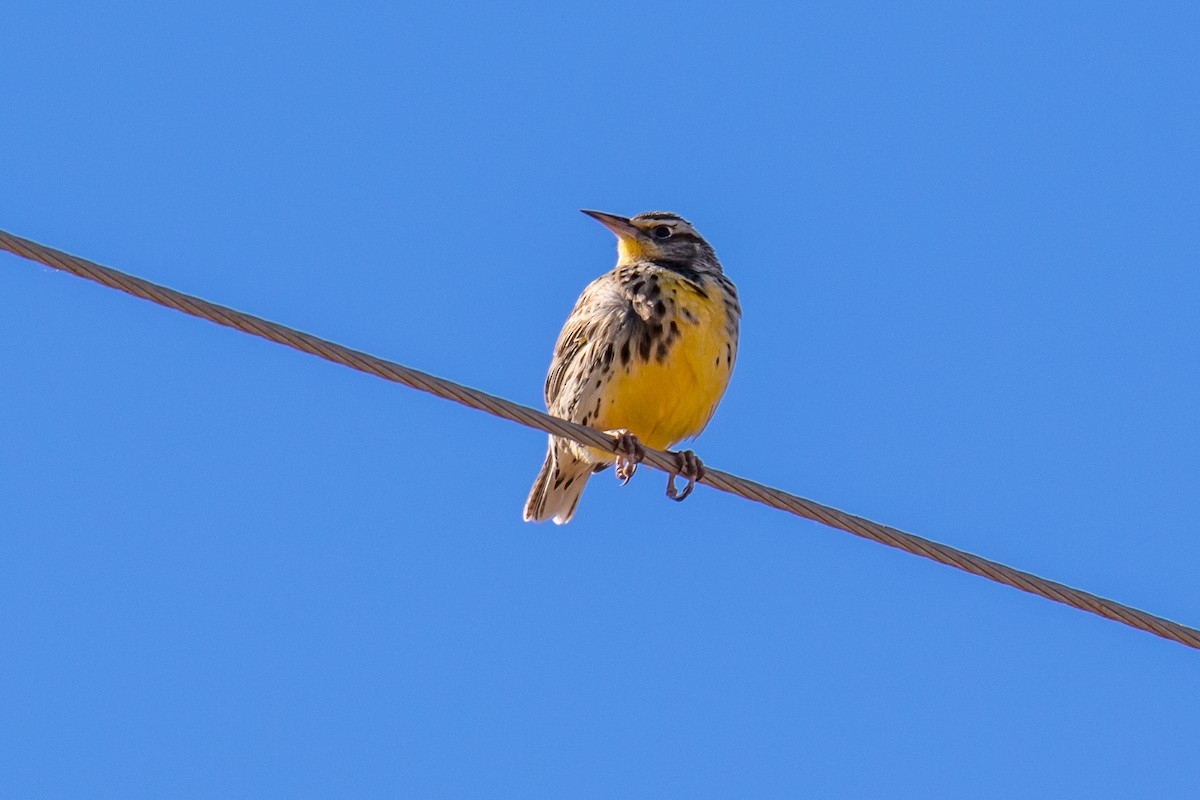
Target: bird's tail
(556,491)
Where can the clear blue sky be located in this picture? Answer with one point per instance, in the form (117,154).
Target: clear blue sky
(967,245)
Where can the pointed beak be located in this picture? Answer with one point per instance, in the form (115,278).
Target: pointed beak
(621,226)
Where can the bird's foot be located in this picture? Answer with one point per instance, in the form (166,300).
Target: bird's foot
(687,465)
(629,453)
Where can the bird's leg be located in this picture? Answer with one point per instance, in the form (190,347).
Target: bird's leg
(629,453)
(687,465)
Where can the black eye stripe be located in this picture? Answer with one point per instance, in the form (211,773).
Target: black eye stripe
(680,236)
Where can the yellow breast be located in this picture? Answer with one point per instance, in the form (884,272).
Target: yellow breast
(665,401)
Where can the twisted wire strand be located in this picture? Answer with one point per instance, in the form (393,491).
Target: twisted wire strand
(663,460)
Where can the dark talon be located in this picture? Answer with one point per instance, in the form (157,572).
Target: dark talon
(687,465)
(629,453)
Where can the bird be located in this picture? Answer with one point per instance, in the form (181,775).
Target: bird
(645,355)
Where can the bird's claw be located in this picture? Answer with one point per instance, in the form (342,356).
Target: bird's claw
(687,465)
(629,453)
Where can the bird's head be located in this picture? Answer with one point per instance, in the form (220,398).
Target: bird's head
(658,236)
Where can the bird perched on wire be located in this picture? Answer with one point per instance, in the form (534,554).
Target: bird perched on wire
(645,356)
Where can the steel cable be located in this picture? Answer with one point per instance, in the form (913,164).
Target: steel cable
(750,490)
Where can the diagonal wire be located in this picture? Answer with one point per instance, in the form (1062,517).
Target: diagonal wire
(750,490)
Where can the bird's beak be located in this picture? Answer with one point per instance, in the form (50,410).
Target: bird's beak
(621,226)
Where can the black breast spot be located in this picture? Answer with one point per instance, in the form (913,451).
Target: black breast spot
(644,348)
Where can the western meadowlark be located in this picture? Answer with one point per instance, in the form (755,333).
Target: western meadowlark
(645,355)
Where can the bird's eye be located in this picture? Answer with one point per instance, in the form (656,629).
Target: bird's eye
(661,232)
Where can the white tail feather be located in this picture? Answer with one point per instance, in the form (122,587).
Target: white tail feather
(556,491)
